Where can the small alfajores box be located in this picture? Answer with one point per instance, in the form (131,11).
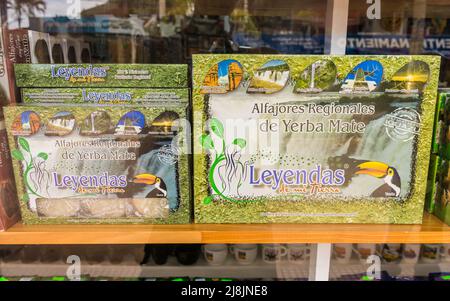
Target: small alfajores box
(78,163)
(101,75)
(104,95)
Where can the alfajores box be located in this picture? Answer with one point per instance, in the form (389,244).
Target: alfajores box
(101,75)
(312,139)
(76,163)
(104,95)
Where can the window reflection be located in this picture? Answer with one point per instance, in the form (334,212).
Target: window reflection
(405,27)
(169,31)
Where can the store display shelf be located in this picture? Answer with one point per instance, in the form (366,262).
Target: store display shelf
(431,231)
(230,269)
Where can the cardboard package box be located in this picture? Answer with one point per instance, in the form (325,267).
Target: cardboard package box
(312,139)
(9,208)
(90,163)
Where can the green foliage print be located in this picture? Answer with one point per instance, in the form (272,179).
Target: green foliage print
(206,141)
(23,153)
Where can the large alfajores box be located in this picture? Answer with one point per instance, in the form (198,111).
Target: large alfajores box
(101,75)
(312,139)
(77,163)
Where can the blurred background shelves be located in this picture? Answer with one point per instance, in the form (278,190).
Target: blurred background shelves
(230,269)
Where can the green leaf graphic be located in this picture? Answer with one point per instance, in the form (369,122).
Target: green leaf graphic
(206,141)
(25,197)
(17,154)
(24,143)
(240,142)
(217,127)
(43,156)
(207,199)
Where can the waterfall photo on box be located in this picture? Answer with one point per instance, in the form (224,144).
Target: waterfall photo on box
(100,164)
(312,139)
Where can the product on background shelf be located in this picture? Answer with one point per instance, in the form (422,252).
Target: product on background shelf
(25,46)
(273,253)
(434,189)
(161,253)
(286,139)
(342,252)
(101,75)
(430,253)
(364,251)
(109,164)
(244,254)
(439,123)
(439,204)
(187,254)
(445,253)
(298,253)
(410,253)
(215,254)
(9,207)
(104,95)
(391,253)
(28,46)
(5,76)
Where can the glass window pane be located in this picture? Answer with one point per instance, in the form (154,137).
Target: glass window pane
(401,27)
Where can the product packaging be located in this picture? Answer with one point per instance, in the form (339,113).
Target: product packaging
(24,46)
(441,206)
(438,190)
(434,189)
(101,75)
(104,95)
(439,124)
(85,163)
(9,211)
(9,208)
(4,76)
(312,139)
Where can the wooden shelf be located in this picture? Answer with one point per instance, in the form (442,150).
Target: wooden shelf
(431,231)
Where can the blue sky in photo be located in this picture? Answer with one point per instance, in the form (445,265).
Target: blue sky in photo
(274,63)
(223,67)
(25,117)
(136,116)
(372,69)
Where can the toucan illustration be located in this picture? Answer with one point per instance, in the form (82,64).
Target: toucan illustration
(392,184)
(160,190)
